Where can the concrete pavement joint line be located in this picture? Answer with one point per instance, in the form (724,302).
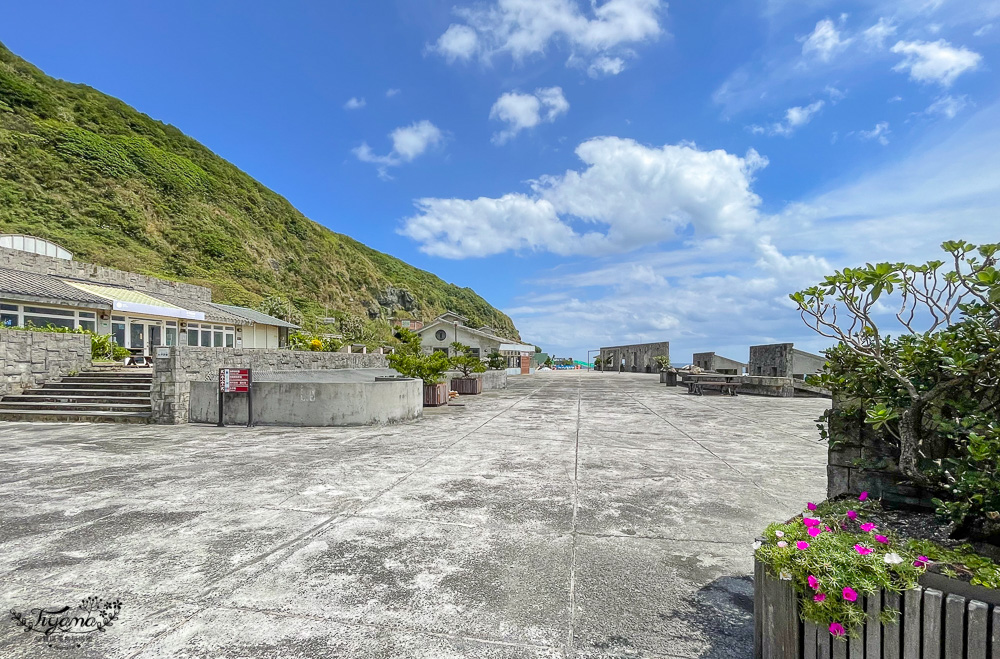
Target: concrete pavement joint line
(371,625)
(619,536)
(343,514)
(713,453)
(394,518)
(570,641)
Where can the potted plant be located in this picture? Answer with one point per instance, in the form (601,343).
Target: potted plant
(468,365)
(920,408)
(410,361)
(668,376)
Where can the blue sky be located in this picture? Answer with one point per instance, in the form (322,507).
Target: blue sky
(610,172)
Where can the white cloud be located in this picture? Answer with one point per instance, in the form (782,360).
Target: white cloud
(523,28)
(983,30)
(835,94)
(408,143)
(795,117)
(629,196)
(521,111)
(878,33)
(880,133)
(948,106)
(606,66)
(936,61)
(459,42)
(824,42)
(354,103)
(389,93)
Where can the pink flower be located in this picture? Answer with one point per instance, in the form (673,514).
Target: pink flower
(921,561)
(819,597)
(815,531)
(809,521)
(851,514)
(863,497)
(813,582)
(828,529)
(881,538)
(780,534)
(782,543)
(850,595)
(802,544)
(861,549)
(836,629)
(811,506)
(867,527)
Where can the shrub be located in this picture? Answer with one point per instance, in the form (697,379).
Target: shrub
(465,361)
(495,361)
(411,362)
(662,361)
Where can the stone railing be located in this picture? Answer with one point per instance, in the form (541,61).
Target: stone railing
(173,375)
(27,359)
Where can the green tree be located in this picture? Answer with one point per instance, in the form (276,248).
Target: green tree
(466,362)
(409,360)
(496,361)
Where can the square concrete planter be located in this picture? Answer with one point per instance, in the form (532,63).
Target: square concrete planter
(467,386)
(668,378)
(940,622)
(436,395)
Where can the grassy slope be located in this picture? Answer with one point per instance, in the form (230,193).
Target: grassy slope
(120,189)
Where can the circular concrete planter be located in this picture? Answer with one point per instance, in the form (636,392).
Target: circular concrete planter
(943,621)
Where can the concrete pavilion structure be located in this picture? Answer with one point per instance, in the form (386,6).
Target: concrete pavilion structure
(717,363)
(635,358)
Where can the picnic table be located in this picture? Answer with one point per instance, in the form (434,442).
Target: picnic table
(724,382)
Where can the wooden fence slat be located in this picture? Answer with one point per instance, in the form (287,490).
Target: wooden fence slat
(758,609)
(839,649)
(891,648)
(856,647)
(996,632)
(933,605)
(873,628)
(977,630)
(954,626)
(810,634)
(823,641)
(911,624)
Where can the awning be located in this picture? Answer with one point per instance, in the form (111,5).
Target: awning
(128,300)
(516,347)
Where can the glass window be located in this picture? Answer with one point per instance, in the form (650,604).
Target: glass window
(8,319)
(206,339)
(121,318)
(171,335)
(88,325)
(192,337)
(171,323)
(41,321)
(230,338)
(50,312)
(118,332)
(218,327)
(218,339)
(8,307)
(87,314)
(194,325)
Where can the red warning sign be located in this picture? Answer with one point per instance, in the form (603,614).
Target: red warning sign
(234,380)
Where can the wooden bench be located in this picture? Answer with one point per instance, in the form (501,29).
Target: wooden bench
(697,387)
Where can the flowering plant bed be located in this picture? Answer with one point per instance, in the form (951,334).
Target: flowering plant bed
(845,574)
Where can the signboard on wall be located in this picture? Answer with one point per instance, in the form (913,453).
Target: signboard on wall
(234,380)
(163,353)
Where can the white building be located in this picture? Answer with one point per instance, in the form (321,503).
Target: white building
(439,334)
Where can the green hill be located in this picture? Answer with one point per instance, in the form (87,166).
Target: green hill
(120,189)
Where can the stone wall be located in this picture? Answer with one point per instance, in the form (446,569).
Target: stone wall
(173,375)
(96,274)
(806,363)
(761,386)
(27,359)
(773,360)
(638,357)
(862,460)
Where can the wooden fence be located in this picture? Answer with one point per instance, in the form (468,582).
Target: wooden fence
(932,625)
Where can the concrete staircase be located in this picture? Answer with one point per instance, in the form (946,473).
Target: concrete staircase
(96,397)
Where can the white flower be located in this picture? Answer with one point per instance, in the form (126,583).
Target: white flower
(780,534)
(785,575)
(756,545)
(892,559)
(782,544)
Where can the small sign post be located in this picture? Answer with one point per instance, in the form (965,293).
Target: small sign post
(236,381)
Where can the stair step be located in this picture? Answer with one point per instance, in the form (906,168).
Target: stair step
(95,385)
(55,416)
(86,407)
(108,378)
(58,391)
(73,398)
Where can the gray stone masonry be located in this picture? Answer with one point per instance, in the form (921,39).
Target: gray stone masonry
(96,274)
(172,376)
(492,380)
(27,359)
(638,358)
(862,460)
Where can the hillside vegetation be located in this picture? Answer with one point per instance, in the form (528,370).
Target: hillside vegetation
(120,189)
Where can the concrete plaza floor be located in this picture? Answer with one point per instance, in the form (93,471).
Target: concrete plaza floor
(574,514)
